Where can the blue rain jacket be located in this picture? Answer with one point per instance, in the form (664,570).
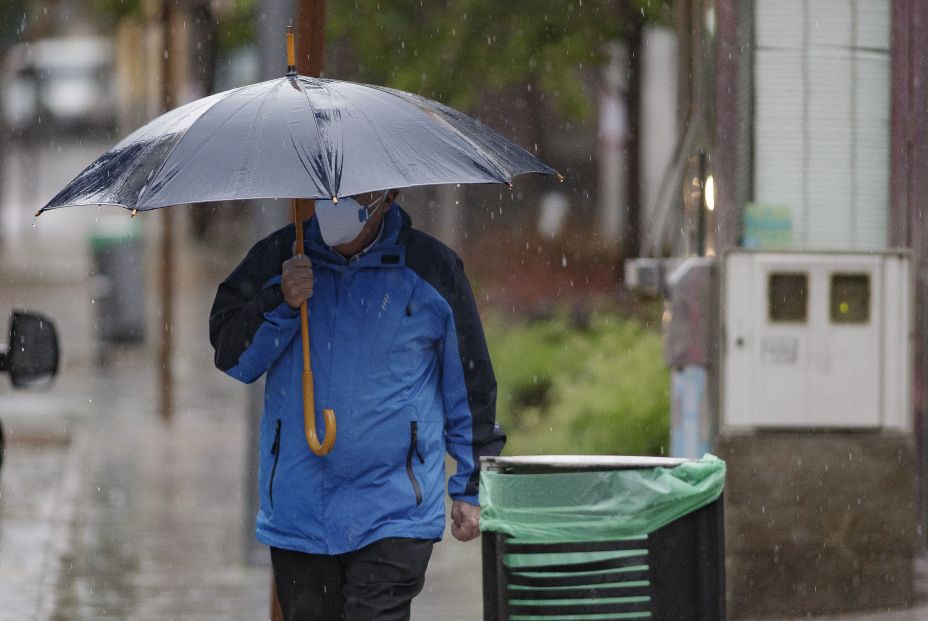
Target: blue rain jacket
(397,351)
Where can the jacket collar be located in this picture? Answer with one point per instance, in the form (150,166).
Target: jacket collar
(388,251)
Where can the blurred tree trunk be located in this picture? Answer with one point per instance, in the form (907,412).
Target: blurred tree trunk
(310,37)
(203,52)
(166,275)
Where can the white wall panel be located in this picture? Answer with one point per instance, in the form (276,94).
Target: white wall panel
(821,141)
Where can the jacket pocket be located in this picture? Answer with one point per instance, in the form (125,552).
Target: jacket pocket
(413,450)
(275,451)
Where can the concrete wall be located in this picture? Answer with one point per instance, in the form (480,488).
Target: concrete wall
(819,522)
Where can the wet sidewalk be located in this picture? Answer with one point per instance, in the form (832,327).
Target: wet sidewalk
(106,512)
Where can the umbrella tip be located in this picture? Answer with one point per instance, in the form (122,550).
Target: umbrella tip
(38,213)
(291,53)
(509,185)
(335,200)
(560,177)
(133,213)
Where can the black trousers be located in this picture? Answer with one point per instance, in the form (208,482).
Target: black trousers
(376,582)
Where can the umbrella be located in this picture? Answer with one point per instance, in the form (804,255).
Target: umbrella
(296,137)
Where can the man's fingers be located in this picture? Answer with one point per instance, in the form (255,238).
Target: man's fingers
(298,261)
(297,279)
(465,521)
(465,531)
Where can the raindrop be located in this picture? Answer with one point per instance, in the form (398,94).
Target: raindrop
(564,263)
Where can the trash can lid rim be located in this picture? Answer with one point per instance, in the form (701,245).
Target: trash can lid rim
(568,463)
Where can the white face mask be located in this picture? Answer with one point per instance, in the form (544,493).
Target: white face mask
(342,222)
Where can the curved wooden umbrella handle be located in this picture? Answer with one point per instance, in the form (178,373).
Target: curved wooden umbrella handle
(309,419)
(309,400)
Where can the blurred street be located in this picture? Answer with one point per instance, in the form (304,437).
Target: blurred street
(105,511)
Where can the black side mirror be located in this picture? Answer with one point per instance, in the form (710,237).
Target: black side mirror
(32,356)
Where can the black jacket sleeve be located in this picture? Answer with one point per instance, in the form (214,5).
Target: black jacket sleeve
(250,324)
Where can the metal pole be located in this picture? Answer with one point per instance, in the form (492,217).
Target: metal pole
(701,206)
(634,39)
(908,191)
(165,370)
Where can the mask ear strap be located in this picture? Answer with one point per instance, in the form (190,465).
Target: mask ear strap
(364,215)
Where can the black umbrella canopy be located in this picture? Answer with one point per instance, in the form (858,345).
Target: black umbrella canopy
(296,137)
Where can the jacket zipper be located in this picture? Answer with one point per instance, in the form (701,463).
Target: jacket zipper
(275,451)
(414,450)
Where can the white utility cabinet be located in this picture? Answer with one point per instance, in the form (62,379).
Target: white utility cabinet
(816,340)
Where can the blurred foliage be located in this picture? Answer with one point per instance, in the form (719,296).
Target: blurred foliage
(454,50)
(115,10)
(599,387)
(237,28)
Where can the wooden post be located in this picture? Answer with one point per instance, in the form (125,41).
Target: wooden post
(310,37)
(310,56)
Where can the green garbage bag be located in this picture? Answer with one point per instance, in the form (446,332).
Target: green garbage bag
(596,505)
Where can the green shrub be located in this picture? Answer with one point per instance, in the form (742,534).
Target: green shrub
(601,388)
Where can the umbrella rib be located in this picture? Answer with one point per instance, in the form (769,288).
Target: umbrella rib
(329,174)
(254,122)
(127,175)
(339,153)
(491,162)
(167,155)
(173,148)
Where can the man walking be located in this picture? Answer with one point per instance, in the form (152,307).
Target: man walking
(398,352)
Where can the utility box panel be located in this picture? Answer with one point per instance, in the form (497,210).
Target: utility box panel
(816,340)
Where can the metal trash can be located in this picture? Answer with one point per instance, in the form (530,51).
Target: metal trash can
(118,286)
(589,537)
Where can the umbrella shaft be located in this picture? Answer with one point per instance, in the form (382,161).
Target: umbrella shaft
(304,311)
